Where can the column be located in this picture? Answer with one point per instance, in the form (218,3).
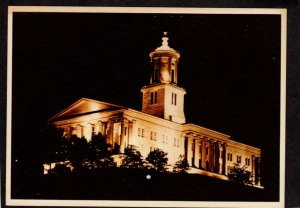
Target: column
(253,168)
(130,132)
(203,157)
(220,147)
(216,157)
(197,153)
(194,152)
(111,134)
(122,137)
(211,155)
(189,151)
(257,170)
(224,168)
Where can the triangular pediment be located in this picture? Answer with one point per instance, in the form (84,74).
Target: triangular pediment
(85,106)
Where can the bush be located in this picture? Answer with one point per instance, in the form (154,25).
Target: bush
(132,158)
(181,166)
(158,159)
(240,174)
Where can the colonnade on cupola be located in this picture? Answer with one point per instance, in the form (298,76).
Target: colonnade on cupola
(205,153)
(115,130)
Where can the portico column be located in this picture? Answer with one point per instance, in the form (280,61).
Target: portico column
(220,159)
(211,155)
(189,151)
(257,170)
(122,139)
(253,168)
(197,153)
(217,156)
(111,134)
(224,168)
(203,157)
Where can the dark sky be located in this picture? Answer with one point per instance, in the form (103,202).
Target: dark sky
(229,66)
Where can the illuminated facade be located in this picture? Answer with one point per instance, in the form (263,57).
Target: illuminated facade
(161,124)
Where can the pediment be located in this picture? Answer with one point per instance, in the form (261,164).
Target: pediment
(85,106)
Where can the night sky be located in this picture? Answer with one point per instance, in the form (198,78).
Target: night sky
(229,66)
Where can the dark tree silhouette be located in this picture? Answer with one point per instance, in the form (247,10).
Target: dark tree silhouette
(98,149)
(52,144)
(158,159)
(77,151)
(181,166)
(132,158)
(60,169)
(240,174)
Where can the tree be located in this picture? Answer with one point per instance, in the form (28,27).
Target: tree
(132,158)
(158,159)
(77,151)
(98,149)
(181,166)
(240,174)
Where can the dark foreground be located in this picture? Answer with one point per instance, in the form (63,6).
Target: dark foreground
(125,184)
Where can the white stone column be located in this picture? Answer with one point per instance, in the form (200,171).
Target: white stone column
(122,137)
(224,166)
(189,151)
(203,158)
(197,153)
(211,154)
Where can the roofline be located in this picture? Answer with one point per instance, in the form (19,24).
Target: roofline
(78,101)
(209,130)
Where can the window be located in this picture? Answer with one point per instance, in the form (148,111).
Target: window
(200,149)
(206,150)
(93,130)
(142,132)
(238,159)
(163,140)
(125,130)
(193,147)
(174,98)
(151,135)
(139,131)
(221,153)
(229,156)
(153,98)
(154,136)
(177,142)
(173,76)
(247,161)
(174,141)
(170,117)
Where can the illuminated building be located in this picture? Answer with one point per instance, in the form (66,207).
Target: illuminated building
(161,124)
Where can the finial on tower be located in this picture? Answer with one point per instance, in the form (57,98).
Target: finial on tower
(165,44)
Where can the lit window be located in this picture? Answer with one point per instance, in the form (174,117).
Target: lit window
(238,159)
(174,98)
(93,130)
(153,98)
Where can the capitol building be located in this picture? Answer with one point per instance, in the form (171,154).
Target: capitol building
(161,124)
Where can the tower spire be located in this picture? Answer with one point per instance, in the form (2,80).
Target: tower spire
(163,98)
